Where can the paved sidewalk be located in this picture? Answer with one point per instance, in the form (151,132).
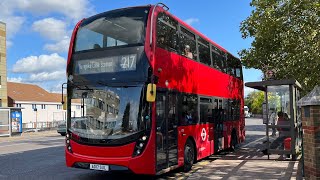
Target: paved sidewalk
(249,163)
(27,135)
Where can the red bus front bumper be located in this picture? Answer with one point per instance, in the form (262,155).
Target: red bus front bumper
(117,158)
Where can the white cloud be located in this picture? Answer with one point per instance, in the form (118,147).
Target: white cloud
(72,9)
(191,20)
(38,64)
(46,76)
(61,46)
(14,79)
(51,28)
(56,87)
(9,44)
(13,23)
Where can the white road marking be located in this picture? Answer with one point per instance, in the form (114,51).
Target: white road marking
(255,141)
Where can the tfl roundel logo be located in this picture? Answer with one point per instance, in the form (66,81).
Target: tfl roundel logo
(203,134)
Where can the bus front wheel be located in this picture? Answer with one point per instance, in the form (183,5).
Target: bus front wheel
(188,156)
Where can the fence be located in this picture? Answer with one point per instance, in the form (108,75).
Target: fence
(41,125)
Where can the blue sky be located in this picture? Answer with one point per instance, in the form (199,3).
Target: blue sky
(38,32)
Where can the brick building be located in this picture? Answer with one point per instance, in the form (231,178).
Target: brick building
(3,66)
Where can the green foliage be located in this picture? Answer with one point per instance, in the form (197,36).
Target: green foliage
(286,39)
(254,101)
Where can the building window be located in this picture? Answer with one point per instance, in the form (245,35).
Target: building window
(78,106)
(59,106)
(34,106)
(43,106)
(18,105)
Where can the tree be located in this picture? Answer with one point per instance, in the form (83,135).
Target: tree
(254,101)
(286,39)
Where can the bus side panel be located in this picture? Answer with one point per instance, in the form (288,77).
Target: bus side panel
(200,134)
(212,82)
(180,73)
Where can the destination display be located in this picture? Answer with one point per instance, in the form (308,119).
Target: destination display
(107,64)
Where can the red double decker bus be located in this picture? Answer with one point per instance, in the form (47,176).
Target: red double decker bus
(155,93)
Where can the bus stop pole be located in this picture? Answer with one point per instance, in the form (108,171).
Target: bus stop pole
(10,123)
(267,123)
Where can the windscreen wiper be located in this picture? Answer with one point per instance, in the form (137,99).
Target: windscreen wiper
(79,85)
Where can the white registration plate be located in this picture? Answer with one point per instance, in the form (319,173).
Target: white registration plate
(99,167)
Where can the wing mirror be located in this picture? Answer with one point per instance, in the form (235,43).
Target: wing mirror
(151,92)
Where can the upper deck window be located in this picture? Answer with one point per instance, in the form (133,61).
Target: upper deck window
(218,59)
(234,67)
(114,28)
(204,51)
(188,44)
(167,32)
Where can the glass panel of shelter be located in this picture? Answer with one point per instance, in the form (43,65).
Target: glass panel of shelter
(279,114)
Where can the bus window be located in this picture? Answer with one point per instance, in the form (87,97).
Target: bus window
(231,65)
(238,72)
(215,60)
(238,69)
(111,29)
(189,109)
(167,34)
(188,44)
(204,51)
(205,110)
(218,59)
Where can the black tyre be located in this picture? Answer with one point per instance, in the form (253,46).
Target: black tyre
(63,134)
(189,155)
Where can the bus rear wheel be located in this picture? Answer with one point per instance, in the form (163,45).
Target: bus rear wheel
(188,156)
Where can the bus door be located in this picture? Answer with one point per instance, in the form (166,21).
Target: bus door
(218,115)
(166,130)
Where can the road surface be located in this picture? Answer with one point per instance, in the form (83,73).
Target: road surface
(43,158)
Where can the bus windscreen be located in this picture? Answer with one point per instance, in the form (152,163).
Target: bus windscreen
(114,28)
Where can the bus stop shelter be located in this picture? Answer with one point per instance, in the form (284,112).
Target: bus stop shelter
(10,121)
(281,116)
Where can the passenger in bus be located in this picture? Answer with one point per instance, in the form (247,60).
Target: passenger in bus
(161,41)
(188,118)
(187,52)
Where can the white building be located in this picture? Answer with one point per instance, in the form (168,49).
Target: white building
(39,106)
